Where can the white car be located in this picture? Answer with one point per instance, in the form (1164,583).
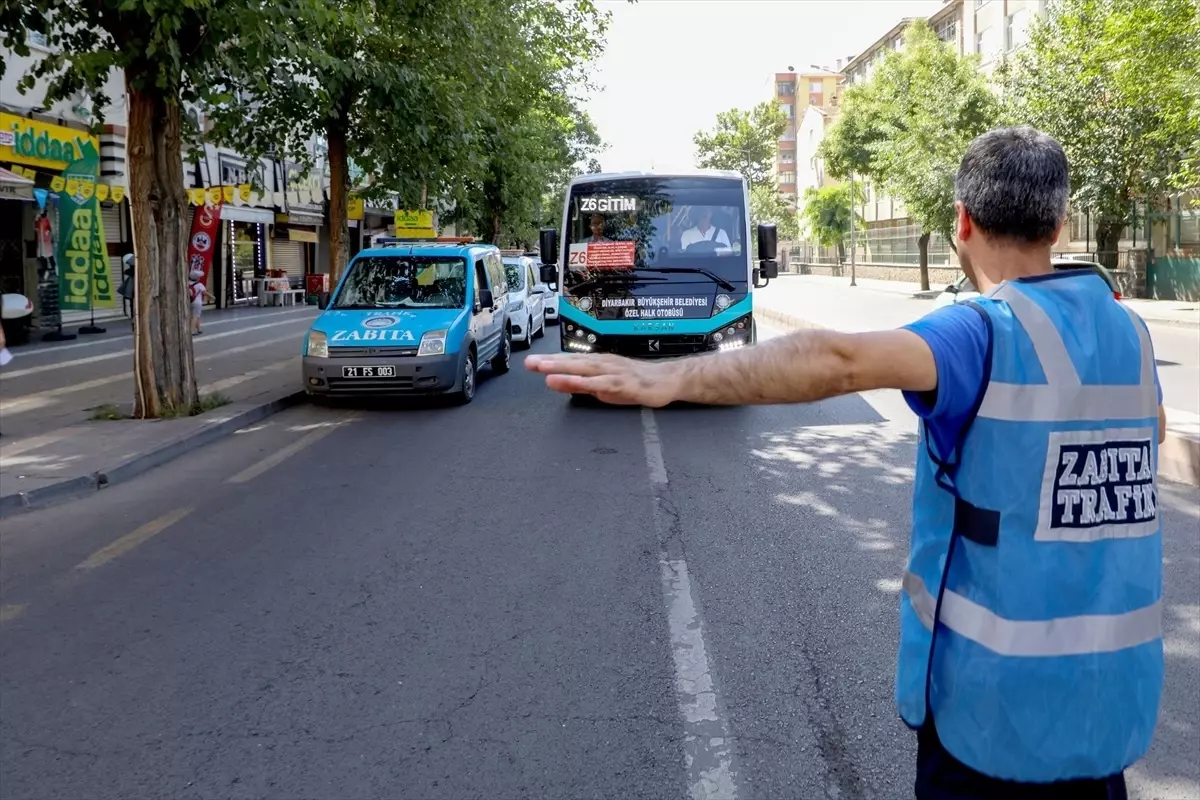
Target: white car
(963,290)
(526,300)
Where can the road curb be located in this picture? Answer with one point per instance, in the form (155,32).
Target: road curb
(1178,456)
(73,488)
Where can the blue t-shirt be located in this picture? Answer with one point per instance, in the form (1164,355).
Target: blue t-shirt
(959,338)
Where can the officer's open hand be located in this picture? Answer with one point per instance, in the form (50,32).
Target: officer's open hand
(611,379)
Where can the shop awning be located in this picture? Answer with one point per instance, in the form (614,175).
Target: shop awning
(244,214)
(14,186)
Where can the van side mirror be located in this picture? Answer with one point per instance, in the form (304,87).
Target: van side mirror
(548,245)
(486,300)
(323,301)
(768,243)
(769,270)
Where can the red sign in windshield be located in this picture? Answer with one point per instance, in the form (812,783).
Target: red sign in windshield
(610,255)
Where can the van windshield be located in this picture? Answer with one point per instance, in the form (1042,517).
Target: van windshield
(515,272)
(404,282)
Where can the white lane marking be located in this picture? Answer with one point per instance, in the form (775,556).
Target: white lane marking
(34,442)
(229,383)
(254,470)
(30,352)
(707,747)
(121,353)
(28,402)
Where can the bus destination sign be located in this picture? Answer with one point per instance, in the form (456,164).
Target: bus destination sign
(598,204)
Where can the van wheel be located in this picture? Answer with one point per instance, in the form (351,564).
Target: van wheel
(502,363)
(466,390)
(542,330)
(527,342)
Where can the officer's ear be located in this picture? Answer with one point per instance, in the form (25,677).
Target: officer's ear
(964,226)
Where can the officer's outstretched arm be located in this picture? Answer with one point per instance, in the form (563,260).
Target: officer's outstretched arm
(798,368)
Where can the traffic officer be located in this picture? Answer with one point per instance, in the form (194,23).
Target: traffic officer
(1031,658)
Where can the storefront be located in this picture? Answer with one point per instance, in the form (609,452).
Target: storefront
(294,244)
(36,153)
(246,252)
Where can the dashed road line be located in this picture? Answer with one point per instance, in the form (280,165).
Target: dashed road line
(278,457)
(229,383)
(51,349)
(707,746)
(28,402)
(18,373)
(131,540)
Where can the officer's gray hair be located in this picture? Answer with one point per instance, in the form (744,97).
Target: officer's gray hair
(1014,184)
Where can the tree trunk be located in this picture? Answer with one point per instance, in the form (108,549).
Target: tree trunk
(496,229)
(923,250)
(841,251)
(164,370)
(1108,239)
(339,188)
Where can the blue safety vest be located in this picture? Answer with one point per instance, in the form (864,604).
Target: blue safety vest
(1031,621)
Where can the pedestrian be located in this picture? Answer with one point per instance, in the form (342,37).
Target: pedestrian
(1031,660)
(197,291)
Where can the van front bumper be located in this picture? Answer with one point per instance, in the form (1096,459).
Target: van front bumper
(413,375)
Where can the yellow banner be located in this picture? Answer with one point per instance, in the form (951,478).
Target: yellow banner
(244,192)
(87,189)
(354,207)
(73,187)
(118,193)
(197,196)
(57,184)
(214,195)
(40,144)
(414,220)
(101,191)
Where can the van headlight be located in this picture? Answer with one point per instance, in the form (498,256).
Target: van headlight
(433,343)
(317,345)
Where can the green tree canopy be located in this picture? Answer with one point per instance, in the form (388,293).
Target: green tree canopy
(743,141)
(1117,82)
(906,130)
(827,213)
(768,206)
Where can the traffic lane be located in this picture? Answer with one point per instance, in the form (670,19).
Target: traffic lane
(49,369)
(797,537)
(794,522)
(393,611)
(1177,351)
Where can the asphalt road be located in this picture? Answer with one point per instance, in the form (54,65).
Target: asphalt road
(515,599)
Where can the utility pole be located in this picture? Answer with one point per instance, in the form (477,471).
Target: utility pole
(853,282)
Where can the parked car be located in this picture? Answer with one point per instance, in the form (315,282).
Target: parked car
(16,316)
(411,318)
(963,289)
(526,299)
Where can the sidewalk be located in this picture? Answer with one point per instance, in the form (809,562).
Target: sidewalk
(55,444)
(818,301)
(1165,312)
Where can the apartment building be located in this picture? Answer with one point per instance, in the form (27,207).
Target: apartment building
(796,93)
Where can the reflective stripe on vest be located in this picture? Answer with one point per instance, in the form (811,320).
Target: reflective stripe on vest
(1063,397)
(1065,636)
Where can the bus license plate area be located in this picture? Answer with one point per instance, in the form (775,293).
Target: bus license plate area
(368,372)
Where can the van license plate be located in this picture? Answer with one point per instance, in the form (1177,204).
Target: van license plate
(368,372)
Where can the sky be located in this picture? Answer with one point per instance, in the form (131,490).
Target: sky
(672,65)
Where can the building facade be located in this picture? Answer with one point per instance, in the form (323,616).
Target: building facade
(796,93)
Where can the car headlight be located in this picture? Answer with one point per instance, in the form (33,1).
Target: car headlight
(433,343)
(317,346)
(515,305)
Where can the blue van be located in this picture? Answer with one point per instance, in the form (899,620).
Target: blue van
(411,317)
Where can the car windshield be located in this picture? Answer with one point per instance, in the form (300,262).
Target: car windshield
(403,281)
(515,272)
